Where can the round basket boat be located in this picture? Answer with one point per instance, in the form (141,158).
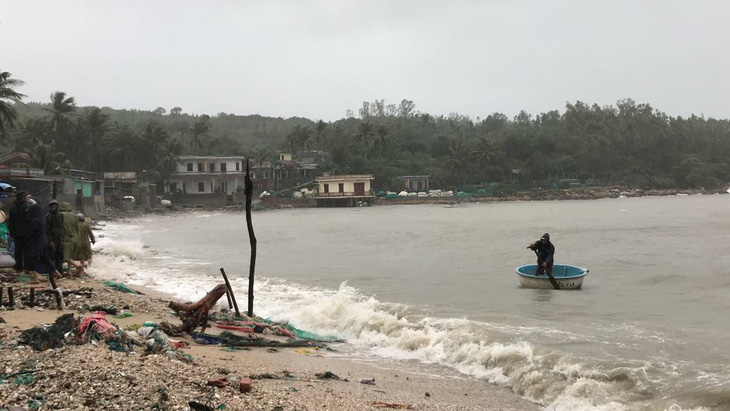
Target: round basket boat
(569,277)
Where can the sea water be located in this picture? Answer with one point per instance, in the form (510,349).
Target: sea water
(435,284)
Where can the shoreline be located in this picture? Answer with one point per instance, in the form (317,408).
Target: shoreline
(91,376)
(579,193)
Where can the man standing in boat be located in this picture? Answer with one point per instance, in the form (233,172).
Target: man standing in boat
(545,251)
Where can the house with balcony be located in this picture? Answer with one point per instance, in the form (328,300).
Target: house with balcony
(344,190)
(198,175)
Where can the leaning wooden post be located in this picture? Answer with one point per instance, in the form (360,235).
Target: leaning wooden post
(31,299)
(229,293)
(248,190)
(11,297)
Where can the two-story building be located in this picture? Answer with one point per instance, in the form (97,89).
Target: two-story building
(344,190)
(207,175)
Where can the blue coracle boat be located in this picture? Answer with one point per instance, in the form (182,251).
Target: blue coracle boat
(569,277)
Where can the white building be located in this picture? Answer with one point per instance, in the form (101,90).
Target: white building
(344,190)
(207,175)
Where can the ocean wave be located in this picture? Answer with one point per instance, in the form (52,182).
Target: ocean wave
(498,353)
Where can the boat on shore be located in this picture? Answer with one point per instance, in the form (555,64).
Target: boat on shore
(569,277)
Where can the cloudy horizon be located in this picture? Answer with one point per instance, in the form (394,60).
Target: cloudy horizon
(317,59)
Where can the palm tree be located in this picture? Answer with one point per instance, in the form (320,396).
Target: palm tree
(485,151)
(8,96)
(95,126)
(48,159)
(456,158)
(200,129)
(304,138)
(32,132)
(320,128)
(121,146)
(365,133)
(381,142)
(292,139)
(62,109)
(172,150)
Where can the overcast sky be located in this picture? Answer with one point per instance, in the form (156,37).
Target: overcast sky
(316,59)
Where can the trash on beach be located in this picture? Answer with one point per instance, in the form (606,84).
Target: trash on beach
(121,287)
(382,404)
(95,327)
(304,351)
(245,385)
(205,339)
(220,382)
(42,338)
(368,382)
(264,376)
(108,310)
(125,314)
(328,375)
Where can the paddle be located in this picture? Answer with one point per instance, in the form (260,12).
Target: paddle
(549,273)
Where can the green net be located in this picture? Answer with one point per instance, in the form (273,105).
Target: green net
(120,287)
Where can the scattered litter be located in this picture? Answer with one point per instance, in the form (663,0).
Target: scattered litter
(121,287)
(264,376)
(42,338)
(382,404)
(218,382)
(125,314)
(328,375)
(368,382)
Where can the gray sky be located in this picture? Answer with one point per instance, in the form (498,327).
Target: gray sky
(318,58)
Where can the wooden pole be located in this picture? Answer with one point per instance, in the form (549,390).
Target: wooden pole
(229,292)
(228,297)
(248,190)
(11,297)
(31,299)
(1,295)
(59,298)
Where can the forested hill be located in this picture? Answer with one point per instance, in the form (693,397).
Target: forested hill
(629,143)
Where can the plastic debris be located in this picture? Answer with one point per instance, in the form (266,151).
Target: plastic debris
(42,338)
(328,375)
(121,287)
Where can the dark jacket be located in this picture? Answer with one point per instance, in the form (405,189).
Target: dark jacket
(37,257)
(17,219)
(545,252)
(54,227)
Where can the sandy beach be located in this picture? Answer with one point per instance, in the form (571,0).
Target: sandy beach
(91,376)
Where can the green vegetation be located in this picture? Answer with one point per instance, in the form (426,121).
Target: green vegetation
(630,144)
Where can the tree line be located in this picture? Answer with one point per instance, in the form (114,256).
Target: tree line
(627,143)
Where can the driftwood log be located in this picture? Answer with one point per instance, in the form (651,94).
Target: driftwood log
(196,314)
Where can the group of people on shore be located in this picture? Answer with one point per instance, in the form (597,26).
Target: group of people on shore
(44,243)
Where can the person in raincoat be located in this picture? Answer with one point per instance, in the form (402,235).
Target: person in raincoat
(17,221)
(54,230)
(37,257)
(70,237)
(86,238)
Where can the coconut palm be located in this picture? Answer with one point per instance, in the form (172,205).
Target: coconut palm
(381,140)
(365,133)
(319,129)
(94,126)
(8,96)
(62,109)
(485,151)
(171,156)
(198,131)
